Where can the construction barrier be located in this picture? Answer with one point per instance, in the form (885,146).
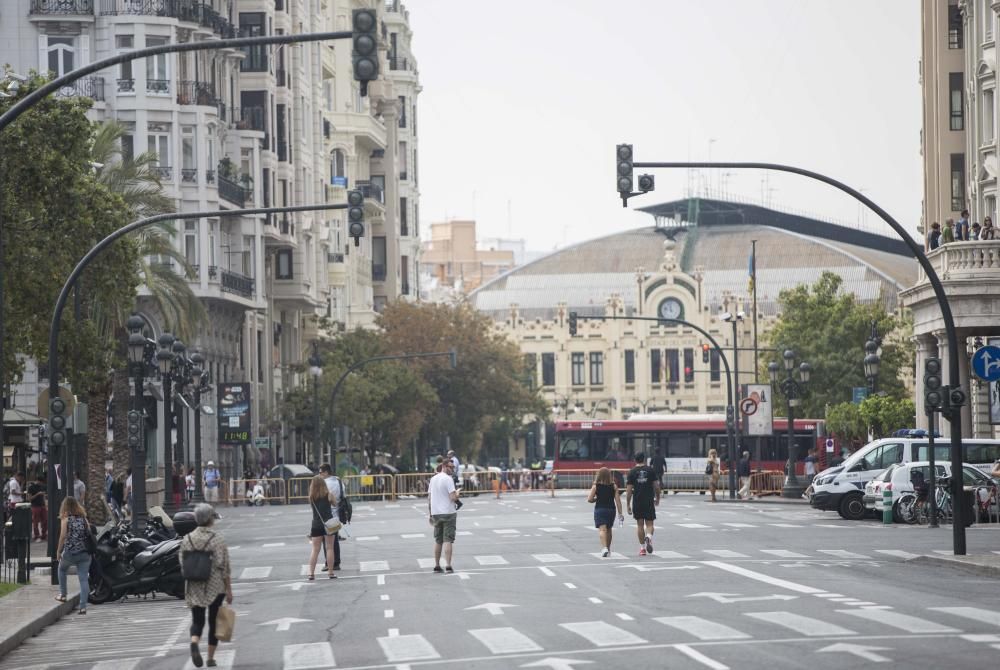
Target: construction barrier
(767,483)
(297,490)
(369,487)
(274,491)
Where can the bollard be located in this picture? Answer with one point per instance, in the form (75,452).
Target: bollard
(887,506)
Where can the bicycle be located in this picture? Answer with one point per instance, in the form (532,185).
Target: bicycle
(944,505)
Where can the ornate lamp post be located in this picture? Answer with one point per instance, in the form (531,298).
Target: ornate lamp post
(164,361)
(793,391)
(872,359)
(316,370)
(563,403)
(201,382)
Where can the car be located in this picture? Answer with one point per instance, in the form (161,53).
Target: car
(898,478)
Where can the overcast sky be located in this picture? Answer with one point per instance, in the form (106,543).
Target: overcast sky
(524,101)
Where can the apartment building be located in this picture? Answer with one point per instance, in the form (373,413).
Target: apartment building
(454,263)
(255,127)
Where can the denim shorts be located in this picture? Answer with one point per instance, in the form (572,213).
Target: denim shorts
(604,516)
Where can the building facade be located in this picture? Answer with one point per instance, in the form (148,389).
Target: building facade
(454,262)
(256,127)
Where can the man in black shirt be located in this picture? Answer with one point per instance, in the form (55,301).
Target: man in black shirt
(659,465)
(643,484)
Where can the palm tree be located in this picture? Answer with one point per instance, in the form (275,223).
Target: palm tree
(137,183)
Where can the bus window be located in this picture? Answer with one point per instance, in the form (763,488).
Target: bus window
(683,445)
(574,447)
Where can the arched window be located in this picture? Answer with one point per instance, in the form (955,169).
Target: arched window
(60,54)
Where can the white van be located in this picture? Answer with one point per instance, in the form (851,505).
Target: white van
(841,488)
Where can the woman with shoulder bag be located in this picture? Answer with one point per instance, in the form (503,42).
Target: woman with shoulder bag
(607,505)
(74,549)
(325,524)
(205,585)
(713,469)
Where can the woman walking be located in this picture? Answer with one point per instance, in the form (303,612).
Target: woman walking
(72,549)
(323,509)
(607,506)
(713,469)
(206,595)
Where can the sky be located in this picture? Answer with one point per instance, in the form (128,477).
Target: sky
(523,103)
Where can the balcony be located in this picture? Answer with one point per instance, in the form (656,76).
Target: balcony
(371,191)
(126,85)
(973,260)
(248,118)
(232,192)
(190,11)
(399,63)
(365,128)
(88,87)
(62,7)
(163,172)
(158,86)
(196,93)
(234,282)
(378,271)
(189,175)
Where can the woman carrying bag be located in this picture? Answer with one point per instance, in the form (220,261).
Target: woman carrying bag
(713,469)
(74,549)
(207,580)
(325,523)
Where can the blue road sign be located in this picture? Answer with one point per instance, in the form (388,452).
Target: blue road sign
(986,363)
(859,394)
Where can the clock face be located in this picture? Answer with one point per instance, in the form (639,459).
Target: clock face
(671,308)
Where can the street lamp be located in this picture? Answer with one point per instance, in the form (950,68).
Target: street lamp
(735,319)
(793,391)
(201,380)
(135,431)
(165,362)
(872,359)
(610,402)
(562,402)
(316,370)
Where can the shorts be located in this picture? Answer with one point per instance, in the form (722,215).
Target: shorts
(444,527)
(604,516)
(643,509)
(211,494)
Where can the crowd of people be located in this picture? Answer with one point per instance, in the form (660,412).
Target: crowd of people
(960,231)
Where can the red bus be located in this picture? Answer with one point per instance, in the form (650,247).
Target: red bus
(684,439)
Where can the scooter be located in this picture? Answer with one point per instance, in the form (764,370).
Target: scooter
(116,573)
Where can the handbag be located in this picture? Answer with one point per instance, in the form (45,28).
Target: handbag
(708,468)
(332,525)
(225,623)
(196,564)
(89,543)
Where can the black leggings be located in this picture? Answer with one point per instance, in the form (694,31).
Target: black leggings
(198,620)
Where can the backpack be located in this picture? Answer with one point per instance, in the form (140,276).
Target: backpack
(345,510)
(196,565)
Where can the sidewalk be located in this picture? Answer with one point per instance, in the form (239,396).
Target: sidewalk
(30,609)
(980,564)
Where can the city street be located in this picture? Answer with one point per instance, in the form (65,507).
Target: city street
(729,585)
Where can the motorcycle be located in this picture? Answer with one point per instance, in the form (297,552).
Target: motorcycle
(125,565)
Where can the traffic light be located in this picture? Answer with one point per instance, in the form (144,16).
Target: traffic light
(364,26)
(704,353)
(135,430)
(58,430)
(688,375)
(646,183)
(624,157)
(356,216)
(956,398)
(934,396)
(572,323)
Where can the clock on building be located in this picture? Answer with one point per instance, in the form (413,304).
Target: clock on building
(671,308)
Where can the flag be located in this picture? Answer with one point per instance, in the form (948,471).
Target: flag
(752,272)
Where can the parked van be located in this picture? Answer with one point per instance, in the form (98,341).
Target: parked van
(842,488)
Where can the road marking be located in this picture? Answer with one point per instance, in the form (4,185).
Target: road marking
(550,558)
(273,544)
(507,531)
(374,566)
(859,650)
(367,538)
(700,657)
(224,659)
(118,664)
(725,553)
(285,623)
(491,559)
(783,553)
(974,613)
(569,585)
(384,596)
(304,571)
(703,629)
(393,632)
(412,536)
(671,554)
(739,525)
(692,525)
(896,552)
(624,617)
(546,571)
(402,648)
(504,640)
(602,634)
(255,573)
(801,624)
(425,563)
(165,648)
(767,579)
(388,614)
(785,525)
(554,529)
(904,622)
(596,601)
(830,525)
(308,655)
(615,556)
(828,595)
(846,599)
(981,637)
(464,532)
(380,580)
(841,553)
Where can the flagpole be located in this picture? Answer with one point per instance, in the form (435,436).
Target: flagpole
(753,278)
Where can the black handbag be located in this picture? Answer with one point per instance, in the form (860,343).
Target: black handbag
(89,543)
(708,468)
(196,565)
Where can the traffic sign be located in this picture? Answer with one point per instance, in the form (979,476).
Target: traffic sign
(986,363)
(748,406)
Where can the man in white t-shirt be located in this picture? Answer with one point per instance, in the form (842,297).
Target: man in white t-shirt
(336,489)
(15,490)
(443,515)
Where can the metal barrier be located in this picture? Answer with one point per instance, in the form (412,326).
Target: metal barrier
(412,484)
(274,491)
(370,487)
(672,482)
(767,483)
(297,490)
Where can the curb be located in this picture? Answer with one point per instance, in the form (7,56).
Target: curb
(21,631)
(960,563)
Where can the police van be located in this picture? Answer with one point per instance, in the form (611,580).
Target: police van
(841,488)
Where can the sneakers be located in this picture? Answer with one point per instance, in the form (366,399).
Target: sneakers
(642,551)
(449,569)
(437,568)
(649,545)
(606,553)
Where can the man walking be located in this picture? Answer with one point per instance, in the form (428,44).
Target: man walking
(744,472)
(659,465)
(79,488)
(212,480)
(442,513)
(643,485)
(336,489)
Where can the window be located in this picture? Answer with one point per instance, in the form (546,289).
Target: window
(987,14)
(956,101)
(284,264)
(128,147)
(60,55)
(159,143)
(189,163)
(402,111)
(531,369)
(989,117)
(672,366)
(548,369)
(404,227)
(688,366)
(402,161)
(191,242)
(577,370)
(655,365)
(715,373)
(252,25)
(213,234)
(629,366)
(955,35)
(338,168)
(378,258)
(596,368)
(957,182)
(883,456)
(126,80)
(157,76)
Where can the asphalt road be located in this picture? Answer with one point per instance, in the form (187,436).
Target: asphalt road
(729,586)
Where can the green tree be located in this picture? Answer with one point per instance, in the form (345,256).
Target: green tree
(845,421)
(883,414)
(828,328)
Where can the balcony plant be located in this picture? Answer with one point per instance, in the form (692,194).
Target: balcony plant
(227,170)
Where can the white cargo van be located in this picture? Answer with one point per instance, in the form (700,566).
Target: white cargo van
(842,488)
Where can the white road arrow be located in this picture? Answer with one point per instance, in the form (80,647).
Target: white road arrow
(492,608)
(295,586)
(737,598)
(647,568)
(556,663)
(285,623)
(867,653)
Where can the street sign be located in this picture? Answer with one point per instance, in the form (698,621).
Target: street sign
(830,445)
(760,421)
(859,394)
(986,363)
(748,406)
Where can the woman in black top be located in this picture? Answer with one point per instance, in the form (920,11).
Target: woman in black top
(322,511)
(607,503)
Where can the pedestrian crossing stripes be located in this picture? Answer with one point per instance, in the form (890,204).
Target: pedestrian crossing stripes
(802,624)
(974,613)
(223,659)
(783,553)
(308,655)
(504,640)
(602,634)
(703,629)
(491,560)
(904,622)
(404,648)
(255,573)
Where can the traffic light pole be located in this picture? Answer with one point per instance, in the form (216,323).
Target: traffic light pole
(958,533)
(730,408)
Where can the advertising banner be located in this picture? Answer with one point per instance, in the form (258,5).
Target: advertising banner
(234,413)
(759,422)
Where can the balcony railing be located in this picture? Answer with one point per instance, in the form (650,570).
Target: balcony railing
(973,259)
(209,176)
(399,63)
(191,11)
(234,282)
(371,191)
(164,172)
(126,85)
(232,191)
(196,93)
(160,86)
(189,175)
(378,272)
(334,258)
(64,7)
(88,87)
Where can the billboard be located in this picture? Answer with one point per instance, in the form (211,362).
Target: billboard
(759,422)
(234,413)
